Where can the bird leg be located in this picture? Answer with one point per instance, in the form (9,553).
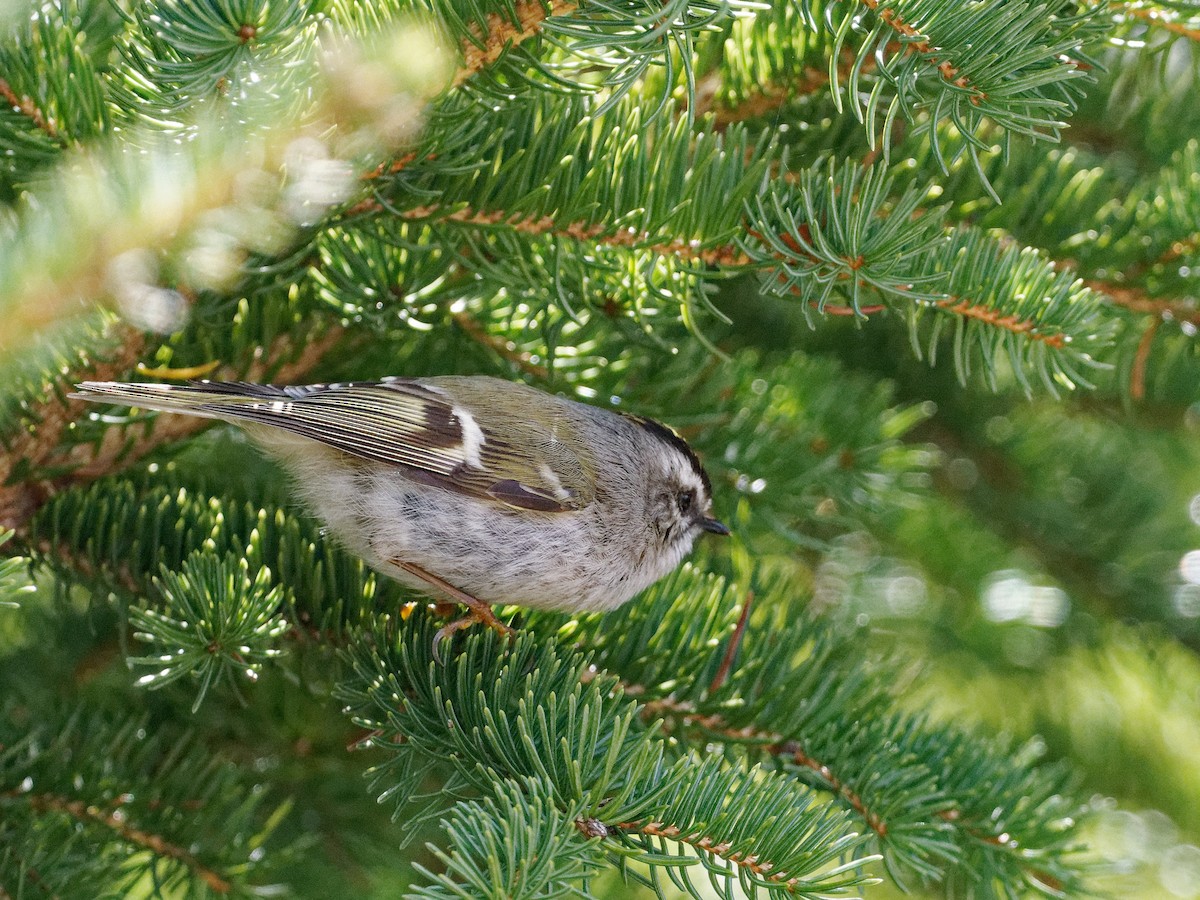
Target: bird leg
(479,611)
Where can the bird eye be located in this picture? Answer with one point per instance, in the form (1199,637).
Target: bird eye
(685,500)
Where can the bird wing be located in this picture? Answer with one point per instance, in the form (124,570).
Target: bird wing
(529,464)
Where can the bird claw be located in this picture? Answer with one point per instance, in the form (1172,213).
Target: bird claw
(479,611)
(482,615)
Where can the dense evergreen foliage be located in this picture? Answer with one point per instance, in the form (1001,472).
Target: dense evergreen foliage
(918,280)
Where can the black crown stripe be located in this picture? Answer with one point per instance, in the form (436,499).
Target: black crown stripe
(671,437)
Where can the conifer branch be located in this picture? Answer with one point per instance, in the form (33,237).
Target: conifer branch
(1012,323)
(1136,301)
(962,307)
(1141,359)
(751,862)
(498,345)
(502,33)
(771,743)
(722,255)
(27,107)
(115,453)
(20,500)
(154,843)
(546,226)
(67,557)
(771,96)
(484,48)
(389,168)
(1156,19)
(1177,249)
(795,752)
(914,42)
(34,446)
(778,246)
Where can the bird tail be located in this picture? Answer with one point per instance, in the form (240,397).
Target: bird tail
(210,399)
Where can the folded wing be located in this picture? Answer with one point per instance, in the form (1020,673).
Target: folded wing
(401,422)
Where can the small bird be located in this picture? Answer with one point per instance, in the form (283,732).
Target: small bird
(471,488)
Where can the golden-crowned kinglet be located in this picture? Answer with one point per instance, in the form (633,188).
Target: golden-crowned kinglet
(479,489)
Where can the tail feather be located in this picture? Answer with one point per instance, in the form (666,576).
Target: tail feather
(210,399)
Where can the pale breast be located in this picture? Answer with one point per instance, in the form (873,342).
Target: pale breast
(560,560)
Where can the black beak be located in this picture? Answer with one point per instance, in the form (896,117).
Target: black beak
(712,526)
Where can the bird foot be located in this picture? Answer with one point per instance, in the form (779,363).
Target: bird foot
(482,615)
(479,611)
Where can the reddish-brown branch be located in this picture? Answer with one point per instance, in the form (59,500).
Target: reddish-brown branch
(1136,301)
(27,107)
(502,33)
(947,70)
(114,452)
(1179,248)
(735,641)
(751,862)
(66,556)
(1137,376)
(391,168)
(499,345)
(489,45)
(51,417)
(771,97)
(953,305)
(795,752)
(1189,244)
(156,844)
(1155,18)
(768,98)
(40,446)
(722,255)
(837,310)
(772,743)
(969,310)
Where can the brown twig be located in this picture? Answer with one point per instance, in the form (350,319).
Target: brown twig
(1136,301)
(114,576)
(1137,375)
(156,844)
(833,309)
(955,305)
(721,255)
(1155,18)
(731,650)
(1189,244)
(51,416)
(947,70)
(767,99)
(488,45)
(751,862)
(27,107)
(41,445)
(499,345)
(969,310)
(114,451)
(1177,249)
(770,97)
(775,744)
(795,752)
(396,165)
(502,33)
